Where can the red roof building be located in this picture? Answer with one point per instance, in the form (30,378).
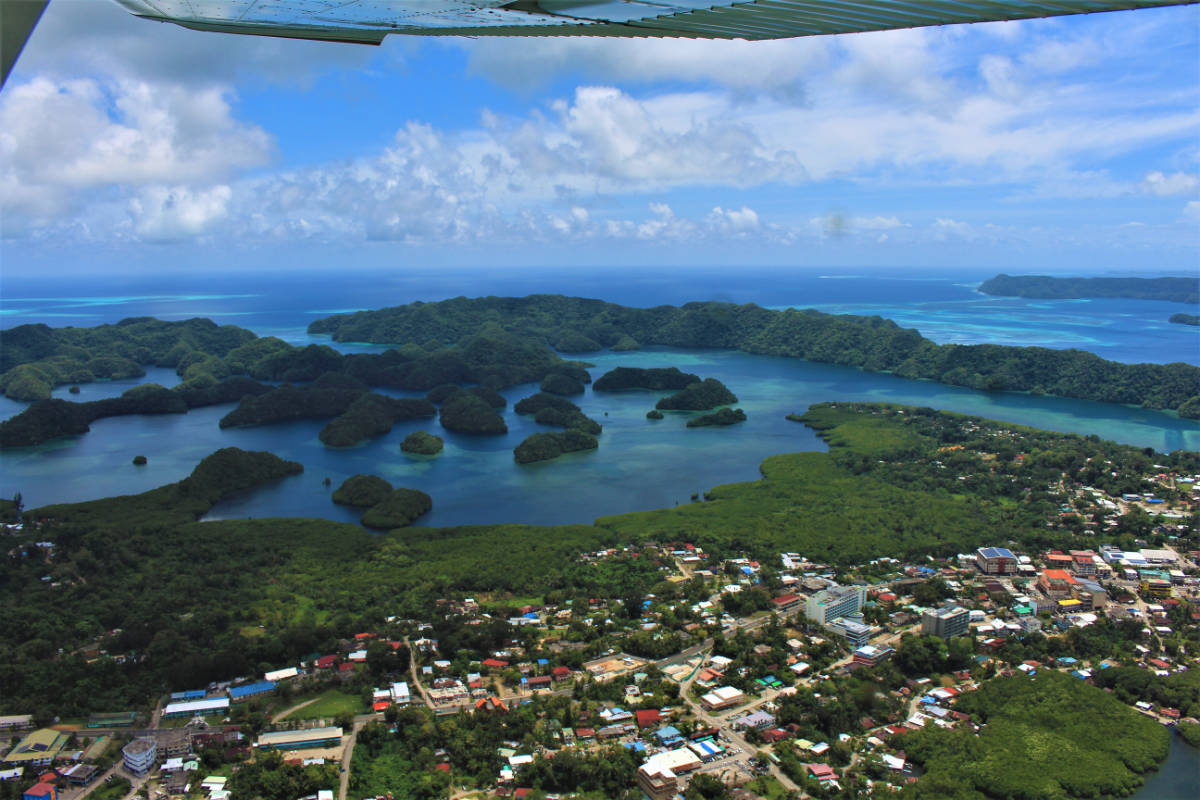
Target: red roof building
(560,673)
(40,791)
(494,663)
(647,717)
(326,662)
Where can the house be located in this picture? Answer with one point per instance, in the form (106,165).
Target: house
(647,718)
(40,791)
(326,662)
(560,673)
(490,704)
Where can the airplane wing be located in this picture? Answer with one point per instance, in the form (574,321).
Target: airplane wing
(368,21)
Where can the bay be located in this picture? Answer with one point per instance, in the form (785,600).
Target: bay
(640,464)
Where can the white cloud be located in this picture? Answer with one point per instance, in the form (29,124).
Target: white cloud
(169,213)
(1157,183)
(63,143)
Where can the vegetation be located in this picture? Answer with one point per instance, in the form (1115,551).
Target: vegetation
(139,461)
(699,396)
(870,343)
(1046,736)
(655,379)
(889,486)
(559,383)
(290,403)
(1185,319)
(373,415)
(726,416)
(1043,287)
(654,413)
(545,446)
(399,508)
(422,443)
(466,412)
(44,420)
(362,491)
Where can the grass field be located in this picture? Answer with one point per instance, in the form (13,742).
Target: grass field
(330,704)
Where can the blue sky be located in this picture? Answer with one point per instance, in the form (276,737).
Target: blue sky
(1070,144)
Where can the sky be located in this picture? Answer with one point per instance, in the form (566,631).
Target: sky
(1068,144)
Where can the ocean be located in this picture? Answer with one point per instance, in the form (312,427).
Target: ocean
(640,464)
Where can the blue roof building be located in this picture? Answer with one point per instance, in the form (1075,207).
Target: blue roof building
(237,693)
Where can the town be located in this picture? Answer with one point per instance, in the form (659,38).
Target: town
(742,674)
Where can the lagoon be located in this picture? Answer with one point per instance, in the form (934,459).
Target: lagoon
(640,464)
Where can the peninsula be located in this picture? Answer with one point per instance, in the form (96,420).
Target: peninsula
(1044,287)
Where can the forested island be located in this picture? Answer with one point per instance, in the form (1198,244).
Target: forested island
(870,343)
(1044,287)
(725,416)
(1185,319)
(700,396)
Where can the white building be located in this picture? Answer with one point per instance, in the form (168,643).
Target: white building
(140,755)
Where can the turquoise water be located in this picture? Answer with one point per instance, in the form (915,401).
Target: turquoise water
(640,464)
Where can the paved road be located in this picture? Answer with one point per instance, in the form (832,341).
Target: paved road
(348,754)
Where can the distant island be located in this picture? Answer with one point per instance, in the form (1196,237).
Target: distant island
(874,344)
(1044,287)
(1185,319)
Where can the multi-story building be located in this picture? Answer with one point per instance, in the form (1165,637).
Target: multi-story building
(947,621)
(1055,583)
(835,602)
(1083,563)
(996,561)
(657,781)
(140,755)
(852,629)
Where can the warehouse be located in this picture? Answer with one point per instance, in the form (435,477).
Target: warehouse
(197,708)
(300,740)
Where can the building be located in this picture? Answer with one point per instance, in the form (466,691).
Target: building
(1055,583)
(656,780)
(40,791)
(281,675)
(1083,562)
(196,708)
(996,561)
(835,602)
(16,722)
(852,629)
(240,693)
(725,697)
(870,655)
(300,740)
(946,622)
(38,749)
(140,755)
(786,604)
(400,693)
